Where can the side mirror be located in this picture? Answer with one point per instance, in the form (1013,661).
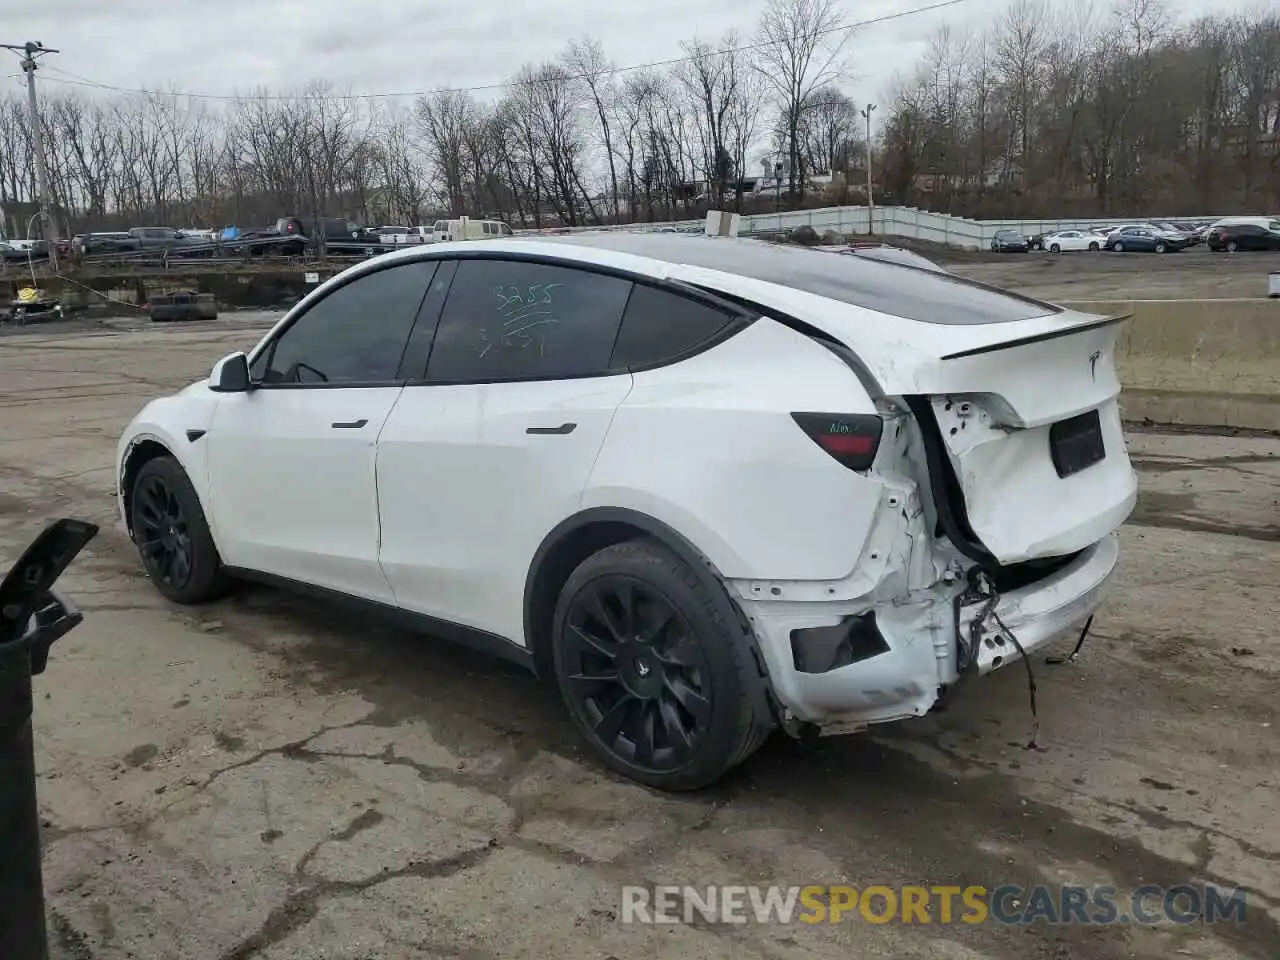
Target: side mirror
(231,375)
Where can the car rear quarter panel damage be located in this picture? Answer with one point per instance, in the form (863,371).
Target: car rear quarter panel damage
(709,447)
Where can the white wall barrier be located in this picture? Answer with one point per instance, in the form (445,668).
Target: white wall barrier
(909,222)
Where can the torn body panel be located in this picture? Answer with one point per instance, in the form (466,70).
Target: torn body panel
(921,636)
(888,642)
(1020,501)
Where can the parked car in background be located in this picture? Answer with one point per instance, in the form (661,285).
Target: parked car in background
(1071,241)
(141,239)
(464,228)
(405,236)
(11,253)
(1179,231)
(99,241)
(1144,239)
(1009,241)
(756,488)
(1244,233)
(293,236)
(336,231)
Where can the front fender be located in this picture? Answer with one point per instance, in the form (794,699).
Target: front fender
(177,423)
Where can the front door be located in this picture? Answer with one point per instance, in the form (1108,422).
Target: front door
(291,463)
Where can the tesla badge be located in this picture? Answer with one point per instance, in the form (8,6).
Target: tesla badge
(1093,363)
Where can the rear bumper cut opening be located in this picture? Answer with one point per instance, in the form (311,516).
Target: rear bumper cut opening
(840,669)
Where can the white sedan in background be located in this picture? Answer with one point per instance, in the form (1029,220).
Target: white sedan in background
(1072,241)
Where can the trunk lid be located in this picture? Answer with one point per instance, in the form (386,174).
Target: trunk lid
(1033,438)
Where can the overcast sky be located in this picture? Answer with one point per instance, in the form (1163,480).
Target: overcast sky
(375,46)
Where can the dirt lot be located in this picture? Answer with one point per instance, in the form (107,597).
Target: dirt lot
(1190,275)
(269,778)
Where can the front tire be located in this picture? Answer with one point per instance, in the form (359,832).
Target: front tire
(172,534)
(1093,248)
(1054,248)
(1118,248)
(1161,248)
(657,671)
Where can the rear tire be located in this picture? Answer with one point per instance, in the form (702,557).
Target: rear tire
(658,672)
(1232,246)
(172,534)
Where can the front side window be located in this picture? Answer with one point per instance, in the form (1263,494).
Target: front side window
(356,334)
(514,320)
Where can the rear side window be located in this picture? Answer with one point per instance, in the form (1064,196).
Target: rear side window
(514,320)
(660,327)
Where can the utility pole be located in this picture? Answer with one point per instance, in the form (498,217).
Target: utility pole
(871,202)
(30,51)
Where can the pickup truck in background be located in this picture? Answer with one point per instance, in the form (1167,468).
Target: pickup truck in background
(142,239)
(338,233)
(294,236)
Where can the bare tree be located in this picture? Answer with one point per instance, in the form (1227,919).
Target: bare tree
(800,44)
(711,78)
(586,60)
(445,117)
(1084,108)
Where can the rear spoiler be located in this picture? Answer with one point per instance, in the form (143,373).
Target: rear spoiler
(1039,337)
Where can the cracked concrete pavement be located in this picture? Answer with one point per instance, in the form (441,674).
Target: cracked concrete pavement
(271,778)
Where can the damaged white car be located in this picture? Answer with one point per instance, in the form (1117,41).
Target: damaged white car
(707,487)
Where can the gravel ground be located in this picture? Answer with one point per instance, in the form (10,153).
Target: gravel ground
(269,778)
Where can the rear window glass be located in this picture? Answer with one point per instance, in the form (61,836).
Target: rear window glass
(923,295)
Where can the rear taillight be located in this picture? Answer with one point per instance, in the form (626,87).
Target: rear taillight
(852,439)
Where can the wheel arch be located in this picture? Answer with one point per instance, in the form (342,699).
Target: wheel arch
(574,539)
(142,448)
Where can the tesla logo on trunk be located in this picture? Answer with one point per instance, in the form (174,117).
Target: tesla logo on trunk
(1093,363)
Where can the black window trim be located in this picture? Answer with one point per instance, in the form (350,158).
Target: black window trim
(268,347)
(740,318)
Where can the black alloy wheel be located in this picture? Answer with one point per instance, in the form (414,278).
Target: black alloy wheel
(641,679)
(657,667)
(163,533)
(172,534)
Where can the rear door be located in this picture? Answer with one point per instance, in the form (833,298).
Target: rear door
(1250,236)
(493,445)
(1023,396)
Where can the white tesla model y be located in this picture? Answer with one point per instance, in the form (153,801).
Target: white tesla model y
(706,487)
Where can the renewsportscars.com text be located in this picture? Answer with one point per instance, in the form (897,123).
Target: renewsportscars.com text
(1005,904)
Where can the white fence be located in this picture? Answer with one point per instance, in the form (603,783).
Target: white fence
(893,221)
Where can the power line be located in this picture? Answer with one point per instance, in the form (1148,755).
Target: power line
(72,79)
